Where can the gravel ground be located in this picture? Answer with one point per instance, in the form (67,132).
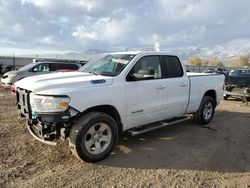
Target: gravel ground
(182,155)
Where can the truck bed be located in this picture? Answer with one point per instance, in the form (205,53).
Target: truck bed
(191,74)
(199,84)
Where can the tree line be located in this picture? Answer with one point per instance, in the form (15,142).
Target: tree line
(241,61)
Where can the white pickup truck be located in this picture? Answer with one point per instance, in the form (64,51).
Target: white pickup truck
(131,92)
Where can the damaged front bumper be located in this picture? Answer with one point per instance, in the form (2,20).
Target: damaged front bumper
(37,131)
(48,128)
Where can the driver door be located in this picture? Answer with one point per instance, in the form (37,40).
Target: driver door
(146,98)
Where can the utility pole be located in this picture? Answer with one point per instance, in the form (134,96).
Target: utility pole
(14,60)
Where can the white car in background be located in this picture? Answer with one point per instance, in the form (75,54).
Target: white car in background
(34,69)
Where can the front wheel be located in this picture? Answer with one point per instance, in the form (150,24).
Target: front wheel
(226,97)
(93,137)
(205,112)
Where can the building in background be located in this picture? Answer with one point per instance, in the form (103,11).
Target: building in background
(17,62)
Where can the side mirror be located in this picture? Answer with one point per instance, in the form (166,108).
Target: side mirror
(143,75)
(34,70)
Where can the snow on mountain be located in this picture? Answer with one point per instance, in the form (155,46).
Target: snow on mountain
(221,52)
(224,52)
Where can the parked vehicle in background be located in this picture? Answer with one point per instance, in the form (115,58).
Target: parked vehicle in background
(83,63)
(241,73)
(222,70)
(237,85)
(132,92)
(7,68)
(209,71)
(217,70)
(34,69)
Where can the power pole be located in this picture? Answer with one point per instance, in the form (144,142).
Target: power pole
(14,60)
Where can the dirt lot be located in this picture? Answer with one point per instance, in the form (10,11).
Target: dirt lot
(183,155)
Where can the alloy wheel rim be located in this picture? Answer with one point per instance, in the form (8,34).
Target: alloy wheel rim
(98,138)
(208,111)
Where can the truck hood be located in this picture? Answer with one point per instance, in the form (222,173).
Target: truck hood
(14,72)
(62,82)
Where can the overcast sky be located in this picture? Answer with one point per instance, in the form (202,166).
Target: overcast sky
(79,25)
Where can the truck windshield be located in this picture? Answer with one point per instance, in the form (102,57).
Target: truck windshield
(110,65)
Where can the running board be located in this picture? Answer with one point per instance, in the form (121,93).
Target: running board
(158,125)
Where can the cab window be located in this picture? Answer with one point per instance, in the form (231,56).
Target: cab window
(148,67)
(172,66)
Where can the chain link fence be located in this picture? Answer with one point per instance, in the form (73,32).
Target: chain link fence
(192,68)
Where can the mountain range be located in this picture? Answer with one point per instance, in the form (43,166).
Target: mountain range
(225,52)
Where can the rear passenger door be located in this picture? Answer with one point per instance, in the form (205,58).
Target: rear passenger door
(177,86)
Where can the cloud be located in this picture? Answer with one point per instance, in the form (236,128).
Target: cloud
(47,39)
(39,3)
(103,24)
(106,30)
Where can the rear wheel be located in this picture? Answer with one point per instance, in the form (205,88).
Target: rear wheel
(93,137)
(205,112)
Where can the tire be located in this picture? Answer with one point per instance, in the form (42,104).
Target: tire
(225,97)
(93,136)
(205,112)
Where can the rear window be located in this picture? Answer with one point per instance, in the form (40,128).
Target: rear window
(173,66)
(53,67)
(67,66)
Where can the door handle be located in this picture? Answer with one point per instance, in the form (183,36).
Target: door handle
(160,87)
(183,85)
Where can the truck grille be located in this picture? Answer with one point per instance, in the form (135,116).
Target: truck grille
(23,103)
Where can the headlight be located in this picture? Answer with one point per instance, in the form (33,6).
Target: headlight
(41,103)
(9,76)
